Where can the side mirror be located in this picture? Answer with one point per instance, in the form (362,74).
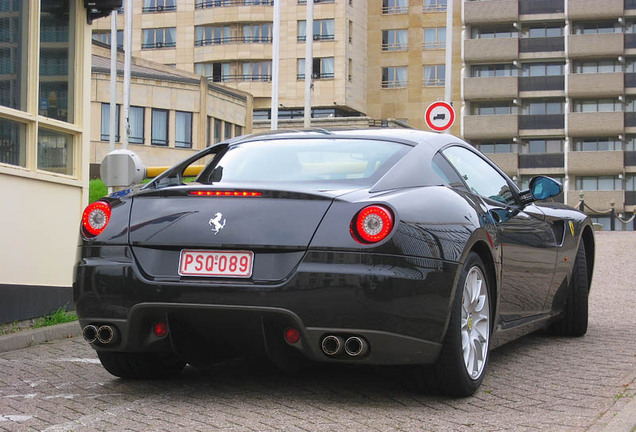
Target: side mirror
(541,188)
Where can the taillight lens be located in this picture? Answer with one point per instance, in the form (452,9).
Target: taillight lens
(372,224)
(96,217)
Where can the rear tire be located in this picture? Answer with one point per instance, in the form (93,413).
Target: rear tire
(573,321)
(141,365)
(461,366)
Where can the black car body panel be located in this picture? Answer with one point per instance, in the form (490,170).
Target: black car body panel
(311,273)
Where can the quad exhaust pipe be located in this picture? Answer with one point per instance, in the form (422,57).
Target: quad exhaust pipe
(353,346)
(104,334)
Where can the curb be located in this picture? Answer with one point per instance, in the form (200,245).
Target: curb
(27,338)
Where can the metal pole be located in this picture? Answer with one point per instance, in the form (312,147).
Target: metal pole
(448,83)
(613,219)
(275,63)
(127,61)
(113,80)
(309,59)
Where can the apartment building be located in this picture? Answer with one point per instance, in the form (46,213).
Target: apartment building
(549,87)
(542,86)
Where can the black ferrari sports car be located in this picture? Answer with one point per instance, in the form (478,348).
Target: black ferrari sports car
(383,247)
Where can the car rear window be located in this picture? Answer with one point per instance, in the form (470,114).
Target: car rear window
(359,161)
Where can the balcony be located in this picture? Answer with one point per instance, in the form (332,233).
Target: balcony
(490,126)
(542,83)
(596,85)
(595,45)
(491,11)
(546,160)
(542,121)
(595,163)
(595,124)
(630,40)
(541,44)
(204,4)
(491,88)
(491,50)
(630,198)
(540,6)
(232,40)
(630,158)
(595,9)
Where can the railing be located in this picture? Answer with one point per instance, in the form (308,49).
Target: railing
(630,197)
(160,8)
(241,78)
(630,40)
(542,44)
(315,1)
(316,37)
(183,144)
(630,158)
(203,4)
(395,47)
(158,45)
(388,10)
(159,142)
(316,76)
(434,45)
(232,40)
(555,82)
(630,79)
(548,160)
(434,82)
(540,6)
(542,121)
(434,7)
(394,84)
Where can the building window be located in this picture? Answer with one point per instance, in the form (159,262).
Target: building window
(630,143)
(630,182)
(217,72)
(257,71)
(597,144)
(542,69)
(395,40)
(159,5)
(257,33)
(323,29)
(55,151)
(434,5)
(13,38)
(599,66)
(350,71)
(12,143)
(218,130)
(136,115)
(543,31)
(238,130)
(494,70)
(597,105)
(159,38)
(543,146)
(105,134)
(350,31)
(322,68)
(159,127)
(434,38)
(542,38)
(434,75)
(183,129)
(209,35)
(497,147)
(395,6)
(542,107)
(203,4)
(498,32)
(394,77)
(597,27)
(598,183)
(494,108)
(228,130)
(57,79)
(104,37)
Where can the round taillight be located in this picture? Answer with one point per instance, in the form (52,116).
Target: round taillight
(160,329)
(292,335)
(372,224)
(96,217)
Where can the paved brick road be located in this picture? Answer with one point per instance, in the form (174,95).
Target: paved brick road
(537,383)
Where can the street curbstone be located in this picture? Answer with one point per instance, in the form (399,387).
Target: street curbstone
(27,338)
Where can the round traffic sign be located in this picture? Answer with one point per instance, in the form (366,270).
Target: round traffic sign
(440,116)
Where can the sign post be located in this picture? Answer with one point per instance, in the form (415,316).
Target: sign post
(440,116)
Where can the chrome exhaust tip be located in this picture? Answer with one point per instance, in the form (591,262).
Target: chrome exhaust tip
(105,334)
(89,333)
(332,345)
(356,346)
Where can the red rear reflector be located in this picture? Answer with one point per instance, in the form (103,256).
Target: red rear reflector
(372,224)
(219,193)
(95,218)
(160,329)
(292,335)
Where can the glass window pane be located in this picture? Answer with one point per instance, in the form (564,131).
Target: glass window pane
(12,143)
(57,53)
(183,129)
(13,55)
(159,127)
(55,151)
(136,125)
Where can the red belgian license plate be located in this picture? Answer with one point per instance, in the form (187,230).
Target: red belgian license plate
(236,264)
